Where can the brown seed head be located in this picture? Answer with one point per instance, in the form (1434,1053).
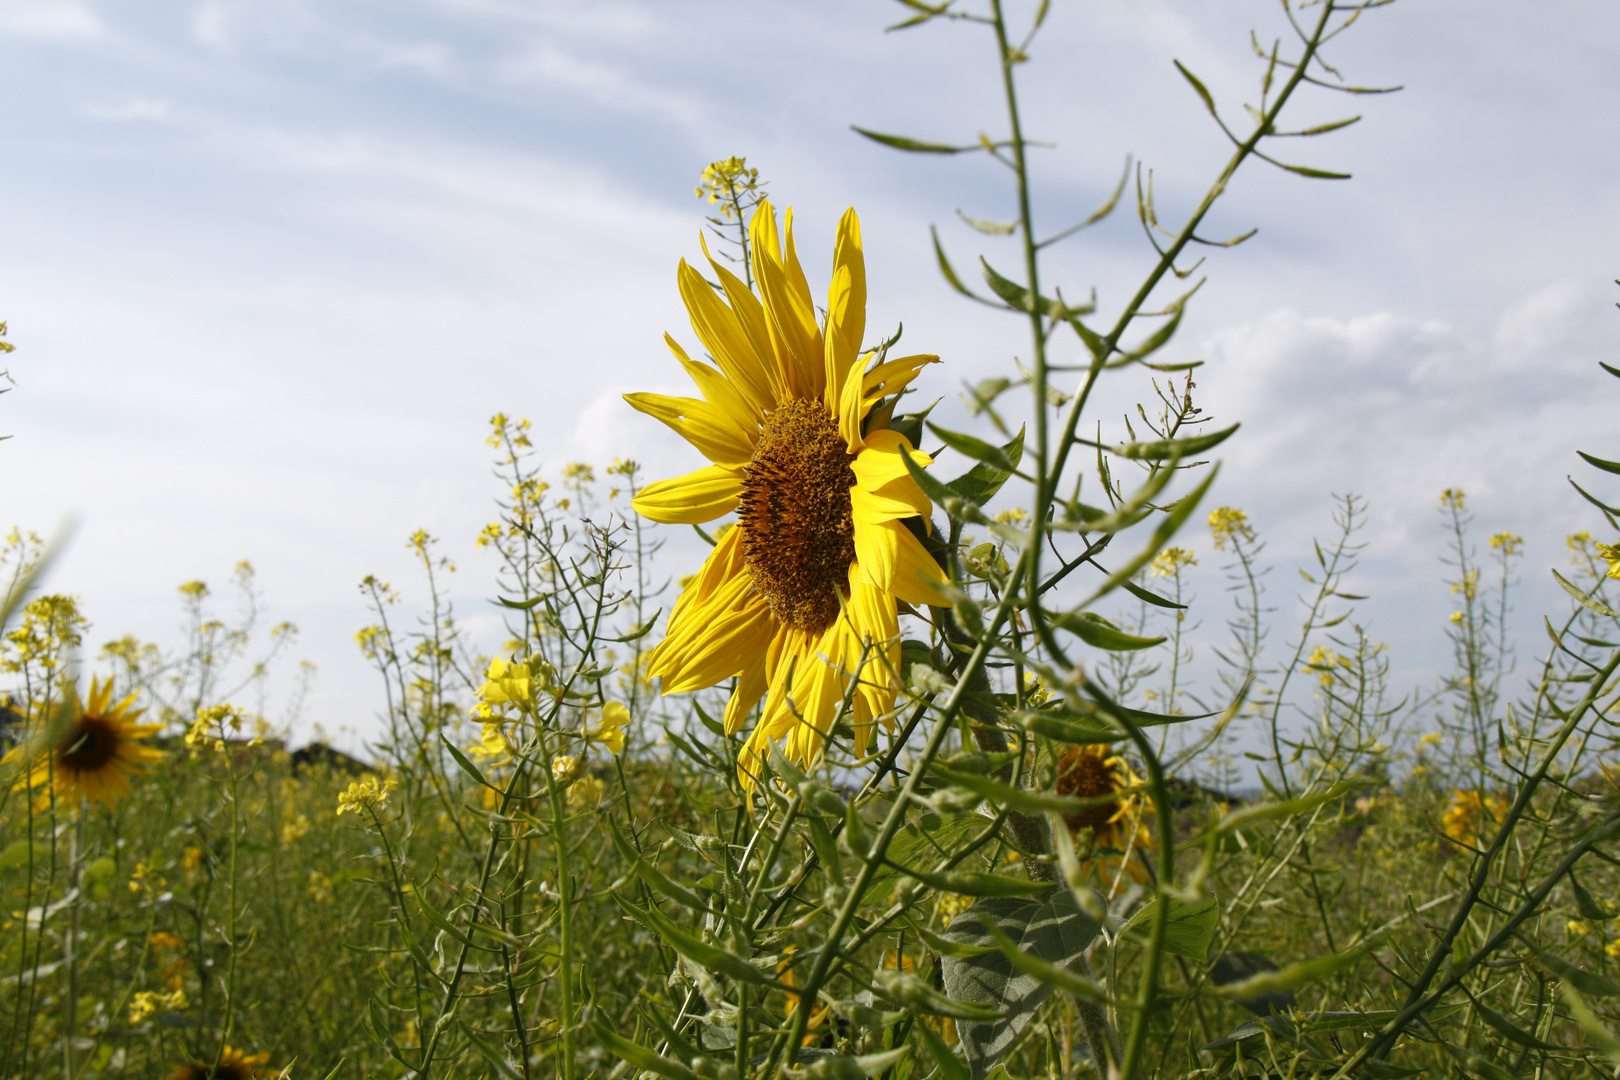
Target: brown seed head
(798,535)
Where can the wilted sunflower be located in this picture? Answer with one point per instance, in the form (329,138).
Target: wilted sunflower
(801,596)
(233,1065)
(97,752)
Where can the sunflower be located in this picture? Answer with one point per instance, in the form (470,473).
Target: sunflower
(97,752)
(1092,772)
(800,599)
(233,1065)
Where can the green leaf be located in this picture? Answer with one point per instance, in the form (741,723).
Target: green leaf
(1209,102)
(1588,905)
(489,1053)
(467,766)
(16,853)
(973,883)
(1188,926)
(980,483)
(1315,174)
(946,269)
(1161,536)
(1174,448)
(637,635)
(1016,296)
(841,1067)
(655,878)
(907,989)
(1606,466)
(1580,978)
(1159,338)
(915,146)
(1598,1036)
(432,915)
(1478,1064)
(990,228)
(1508,1029)
(977,449)
(1595,606)
(640,1056)
(950,1066)
(1023,800)
(700,953)
(1099,633)
(1052,975)
(1097,726)
(1051,928)
(519,605)
(1150,598)
(947,947)
(1276,982)
(1252,815)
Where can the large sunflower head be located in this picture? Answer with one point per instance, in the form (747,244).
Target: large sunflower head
(800,600)
(233,1065)
(98,750)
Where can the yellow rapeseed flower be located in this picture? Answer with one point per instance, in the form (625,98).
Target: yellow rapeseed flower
(368,791)
(1228,524)
(802,596)
(1611,555)
(97,752)
(610,732)
(1472,817)
(512,685)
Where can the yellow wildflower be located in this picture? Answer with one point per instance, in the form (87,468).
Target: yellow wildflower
(512,684)
(1452,499)
(365,793)
(586,793)
(1472,817)
(1170,561)
(147,1003)
(1611,555)
(1507,543)
(1228,525)
(610,732)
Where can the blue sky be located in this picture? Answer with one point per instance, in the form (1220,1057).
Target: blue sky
(271,265)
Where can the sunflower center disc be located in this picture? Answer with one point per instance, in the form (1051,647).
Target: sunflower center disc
(798,535)
(87,746)
(1087,776)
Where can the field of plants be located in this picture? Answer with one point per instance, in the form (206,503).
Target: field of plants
(912,777)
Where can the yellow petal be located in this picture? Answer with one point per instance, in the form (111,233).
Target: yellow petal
(884,489)
(745,361)
(719,391)
(892,376)
(846,307)
(790,314)
(705,426)
(692,499)
(751,686)
(840,355)
(724,636)
(751,320)
(896,562)
(724,563)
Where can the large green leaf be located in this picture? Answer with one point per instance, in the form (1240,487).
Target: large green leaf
(1188,927)
(1051,928)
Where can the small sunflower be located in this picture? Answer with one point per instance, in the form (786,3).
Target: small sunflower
(1092,772)
(97,752)
(801,597)
(233,1065)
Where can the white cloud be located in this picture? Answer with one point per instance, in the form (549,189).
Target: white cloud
(136,108)
(50,20)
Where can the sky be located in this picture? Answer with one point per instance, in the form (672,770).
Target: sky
(270,266)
